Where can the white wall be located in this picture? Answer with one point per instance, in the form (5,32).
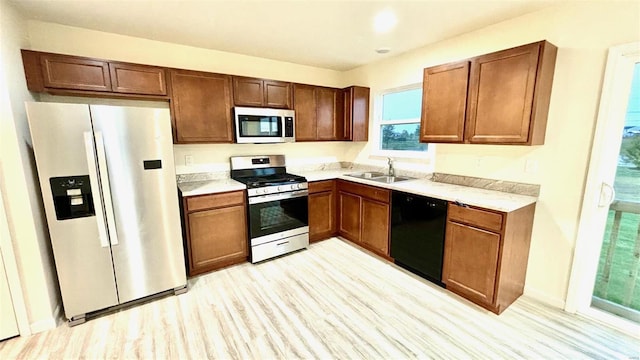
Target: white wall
(19,183)
(77,41)
(583,32)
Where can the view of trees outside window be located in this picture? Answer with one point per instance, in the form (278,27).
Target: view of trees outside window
(400,123)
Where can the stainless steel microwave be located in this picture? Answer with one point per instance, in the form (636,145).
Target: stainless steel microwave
(264,125)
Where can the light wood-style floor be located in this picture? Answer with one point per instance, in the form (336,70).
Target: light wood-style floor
(330,301)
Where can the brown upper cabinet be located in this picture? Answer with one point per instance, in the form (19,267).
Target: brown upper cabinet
(201,107)
(260,92)
(324,113)
(319,113)
(356,113)
(497,98)
(58,73)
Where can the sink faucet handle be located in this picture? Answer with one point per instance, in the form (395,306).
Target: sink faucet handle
(389,160)
(391,170)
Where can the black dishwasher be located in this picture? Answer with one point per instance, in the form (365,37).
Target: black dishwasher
(417,234)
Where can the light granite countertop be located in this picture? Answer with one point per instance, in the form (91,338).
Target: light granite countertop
(194,188)
(488,199)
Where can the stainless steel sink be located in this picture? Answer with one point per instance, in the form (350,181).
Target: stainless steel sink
(391,179)
(379,177)
(367,175)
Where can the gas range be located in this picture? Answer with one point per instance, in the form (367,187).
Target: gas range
(278,205)
(272,184)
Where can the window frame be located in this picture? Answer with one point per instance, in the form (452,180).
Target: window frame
(379,122)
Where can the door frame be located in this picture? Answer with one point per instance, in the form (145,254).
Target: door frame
(606,145)
(11,270)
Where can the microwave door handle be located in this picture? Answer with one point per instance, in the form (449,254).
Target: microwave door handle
(95,188)
(104,180)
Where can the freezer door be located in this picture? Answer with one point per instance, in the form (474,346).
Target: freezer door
(135,152)
(63,146)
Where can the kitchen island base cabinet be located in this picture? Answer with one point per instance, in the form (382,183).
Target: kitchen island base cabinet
(322,210)
(363,213)
(216,231)
(486,254)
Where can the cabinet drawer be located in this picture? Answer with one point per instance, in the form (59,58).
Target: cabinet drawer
(201,202)
(371,192)
(476,217)
(320,186)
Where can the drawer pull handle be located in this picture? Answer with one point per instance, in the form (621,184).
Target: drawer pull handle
(283,243)
(461,204)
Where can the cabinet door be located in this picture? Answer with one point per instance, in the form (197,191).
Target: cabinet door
(444,101)
(326,118)
(501,89)
(304,103)
(349,212)
(217,237)
(277,94)
(137,79)
(375,225)
(247,91)
(322,223)
(201,106)
(356,114)
(70,72)
(470,261)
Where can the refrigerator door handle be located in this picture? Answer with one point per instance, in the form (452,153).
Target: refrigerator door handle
(95,188)
(104,181)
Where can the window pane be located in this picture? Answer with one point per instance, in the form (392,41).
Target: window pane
(401,137)
(402,105)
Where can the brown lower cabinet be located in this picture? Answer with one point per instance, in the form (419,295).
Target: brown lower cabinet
(486,254)
(363,213)
(322,210)
(216,231)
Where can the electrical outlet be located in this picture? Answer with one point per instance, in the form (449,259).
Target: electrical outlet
(188,160)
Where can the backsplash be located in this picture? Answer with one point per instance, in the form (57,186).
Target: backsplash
(489,184)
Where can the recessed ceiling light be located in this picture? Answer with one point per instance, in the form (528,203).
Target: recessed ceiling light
(384,21)
(383,50)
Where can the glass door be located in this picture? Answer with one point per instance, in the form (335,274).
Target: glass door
(617,284)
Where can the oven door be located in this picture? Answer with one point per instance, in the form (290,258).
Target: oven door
(275,216)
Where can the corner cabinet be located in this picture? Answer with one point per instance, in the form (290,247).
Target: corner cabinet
(486,254)
(215,231)
(364,214)
(201,105)
(322,210)
(261,93)
(497,98)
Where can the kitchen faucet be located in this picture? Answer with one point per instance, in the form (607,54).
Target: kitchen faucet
(391,170)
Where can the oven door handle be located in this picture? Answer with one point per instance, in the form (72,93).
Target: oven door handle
(275,197)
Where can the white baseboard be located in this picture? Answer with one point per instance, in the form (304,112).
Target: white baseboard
(48,323)
(544,298)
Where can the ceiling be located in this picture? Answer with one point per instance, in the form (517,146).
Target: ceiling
(335,35)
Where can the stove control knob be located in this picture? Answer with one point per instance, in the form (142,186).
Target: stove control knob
(294,186)
(281,188)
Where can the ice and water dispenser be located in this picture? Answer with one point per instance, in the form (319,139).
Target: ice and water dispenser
(72,197)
